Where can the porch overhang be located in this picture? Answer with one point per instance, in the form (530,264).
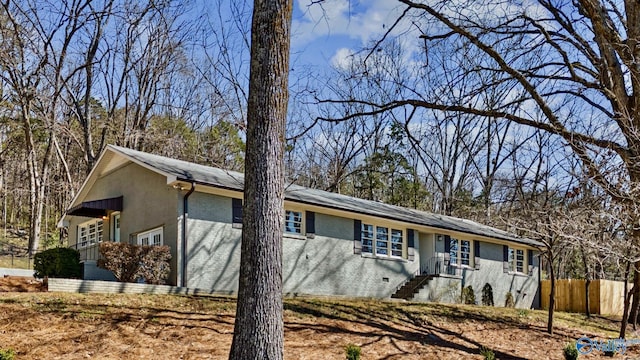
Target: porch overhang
(96,208)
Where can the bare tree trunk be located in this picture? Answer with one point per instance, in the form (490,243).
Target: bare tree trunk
(587,304)
(587,275)
(259,327)
(633,310)
(35,180)
(488,181)
(633,315)
(627,299)
(65,166)
(38,183)
(552,297)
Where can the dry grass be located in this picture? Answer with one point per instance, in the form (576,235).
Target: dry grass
(14,241)
(16,263)
(74,326)
(21,284)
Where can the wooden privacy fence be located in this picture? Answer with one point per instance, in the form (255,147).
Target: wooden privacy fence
(606,297)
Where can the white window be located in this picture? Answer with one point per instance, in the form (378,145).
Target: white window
(465,252)
(383,241)
(516,260)
(99,231)
(157,239)
(90,233)
(396,242)
(93,234)
(293,222)
(151,237)
(367,238)
(459,252)
(82,236)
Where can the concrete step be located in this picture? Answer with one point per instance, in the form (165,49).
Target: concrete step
(411,287)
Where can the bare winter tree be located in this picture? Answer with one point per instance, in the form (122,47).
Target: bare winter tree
(573,70)
(259,328)
(33,67)
(536,190)
(225,48)
(134,53)
(80,86)
(326,157)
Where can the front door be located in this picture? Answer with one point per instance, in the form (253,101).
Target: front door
(427,252)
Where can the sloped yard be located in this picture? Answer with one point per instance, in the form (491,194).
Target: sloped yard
(76,326)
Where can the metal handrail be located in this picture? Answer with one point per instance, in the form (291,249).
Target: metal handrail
(88,252)
(438,265)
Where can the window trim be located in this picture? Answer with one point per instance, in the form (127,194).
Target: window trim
(302,235)
(299,222)
(381,237)
(98,233)
(403,236)
(513,267)
(371,250)
(112,227)
(151,233)
(458,257)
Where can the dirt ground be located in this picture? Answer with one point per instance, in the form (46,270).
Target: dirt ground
(20,284)
(43,325)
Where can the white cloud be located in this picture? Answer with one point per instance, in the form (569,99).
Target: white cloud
(342,59)
(356,20)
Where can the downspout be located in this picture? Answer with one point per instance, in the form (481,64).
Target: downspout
(185,215)
(539,280)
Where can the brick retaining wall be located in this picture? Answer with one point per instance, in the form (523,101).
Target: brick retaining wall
(113,287)
(16,272)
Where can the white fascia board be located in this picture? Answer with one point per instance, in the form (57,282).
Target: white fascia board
(146,166)
(91,178)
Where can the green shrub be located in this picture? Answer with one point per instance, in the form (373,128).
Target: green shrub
(57,263)
(509,301)
(7,354)
(468,296)
(570,351)
(487,295)
(353,352)
(487,353)
(128,263)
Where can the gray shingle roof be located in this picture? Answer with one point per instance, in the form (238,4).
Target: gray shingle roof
(233,180)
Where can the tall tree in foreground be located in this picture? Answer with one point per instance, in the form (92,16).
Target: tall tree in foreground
(259,328)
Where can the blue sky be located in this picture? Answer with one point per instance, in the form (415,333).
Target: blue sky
(324,33)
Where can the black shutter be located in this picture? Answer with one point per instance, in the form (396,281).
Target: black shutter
(357,237)
(476,253)
(505,259)
(410,245)
(236,205)
(530,261)
(447,249)
(310,223)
